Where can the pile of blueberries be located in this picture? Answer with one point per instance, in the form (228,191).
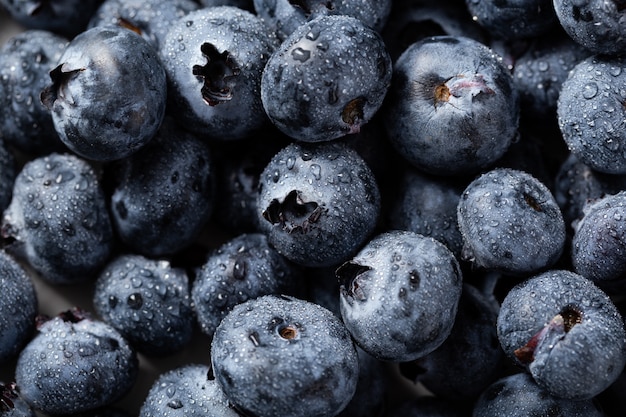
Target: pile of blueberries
(335,198)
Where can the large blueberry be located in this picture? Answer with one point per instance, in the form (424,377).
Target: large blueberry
(399,295)
(452,107)
(283,356)
(565,331)
(327,79)
(108,93)
(317,203)
(75,364)
(59,218)
(214,58)
(510,222)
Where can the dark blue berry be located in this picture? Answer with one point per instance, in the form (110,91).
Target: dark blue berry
(148,301)
(283,356)
(108,93)
(399,295)
(59,218)
(327,79)
(317,203)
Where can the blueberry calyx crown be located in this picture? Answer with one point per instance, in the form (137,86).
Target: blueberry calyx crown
(348,275)
(306,6)
(556,328)
(74,315)
(218,74)
(293,214)
(56,90)
(8,392)
(127,24)
(352,114)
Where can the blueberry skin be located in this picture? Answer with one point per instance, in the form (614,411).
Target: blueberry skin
(327,79)
(399,295)
(597,250)
(108,93)
(565,331)
(11,403)
(596,25)
(148,301)
(214,58)
(59,218)
(164,193)
(452,107)
(68,18)
(286,16)
(18,308)
(514,19)
(242,268)
(25,62)
(591,114)
(510,222)
(427,205)
(185,391)
(317,203)
(151,19)
(518,395)
(283,356)
(577,184)
(75,365)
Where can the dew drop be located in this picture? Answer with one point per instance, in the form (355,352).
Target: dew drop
(590,90)
(316,170)
(300,54)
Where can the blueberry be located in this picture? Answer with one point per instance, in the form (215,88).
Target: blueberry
(18,308)
(327,79)
(25,62)
(470,359)
(164,193)
(271,356)
(510,222)
(244,267)
(452,107)
(75,364)
(11,402)
(565,331)
(317,203)
(185,391)
(107,94)
(399,295)
(65,17)
(518,395)
(598,243)
(590,113)
(285,16)
(148,302)
(214,58)
(595,24)
(151,19)
(513,19)
(59,219)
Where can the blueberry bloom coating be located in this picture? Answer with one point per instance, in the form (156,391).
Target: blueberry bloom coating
(147,301)
(149,18)
(452,107)
(185,391)
(510,222)
(75,364)
(25,62)
(58,216)
(591,113)
(164,193)
(285,16)
(18,308)
(317,203)
(518,395)
(11,403)
(599,237)
(595,24)
(108,93)
(327,79)
(565,331)
(399,295)
(283,356)
(244,267)
(214,58)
